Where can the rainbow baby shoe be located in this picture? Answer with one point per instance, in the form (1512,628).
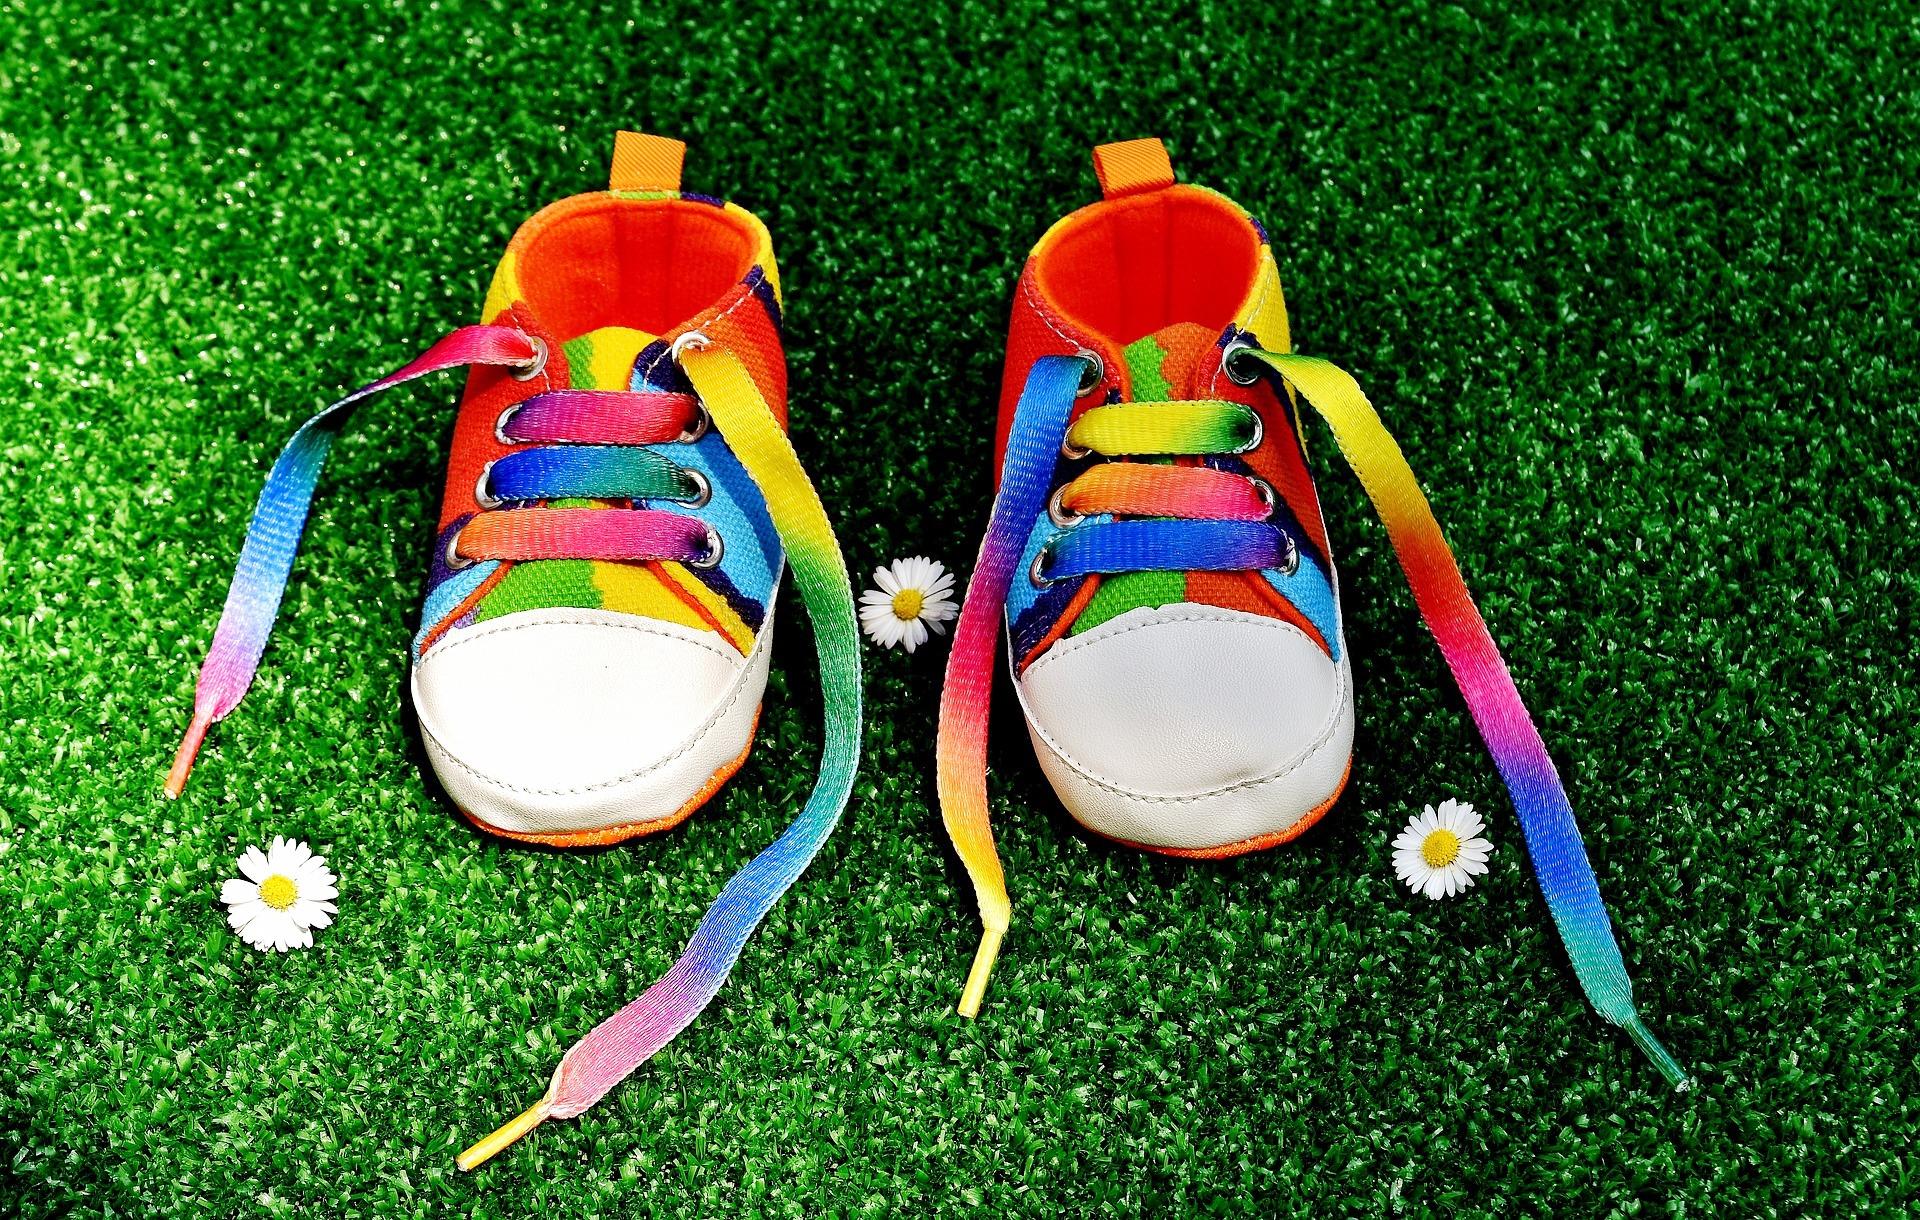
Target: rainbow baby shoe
(1157,552)
(620,501)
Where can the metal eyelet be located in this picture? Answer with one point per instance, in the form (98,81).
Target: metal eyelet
(716,547)
(482,494)
(500,424)
(1071,451)
(697,429)
(455,560)
(1093,375)
(534,366)
(1259,434)
(692,340)
(1040,561)
(1059,513)
(1226,363)
(1293,557)
(702,490)
(1266,493)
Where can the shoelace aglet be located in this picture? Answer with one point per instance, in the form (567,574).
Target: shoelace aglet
(1662,1058)
(983,960)
(184,756)
(512,1130)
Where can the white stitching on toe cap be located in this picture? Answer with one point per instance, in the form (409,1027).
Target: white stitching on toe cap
(687,746)
(1342,699)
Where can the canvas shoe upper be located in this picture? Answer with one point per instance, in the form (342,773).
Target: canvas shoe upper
(1203,710)
(1157,551)
(633,683)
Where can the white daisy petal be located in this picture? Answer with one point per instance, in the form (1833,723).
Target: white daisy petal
(253,865)
(1436,884)
(236,891)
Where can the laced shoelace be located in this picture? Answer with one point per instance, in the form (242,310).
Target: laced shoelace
(1208,524)
(589,444)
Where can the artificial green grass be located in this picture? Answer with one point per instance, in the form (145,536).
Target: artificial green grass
(1637,292)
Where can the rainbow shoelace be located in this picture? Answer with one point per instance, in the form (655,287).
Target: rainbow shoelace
(1206,519)
(594,445)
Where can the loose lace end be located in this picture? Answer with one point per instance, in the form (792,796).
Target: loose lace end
(486,1149)
(983,960)
(1661,1057)
(184,756)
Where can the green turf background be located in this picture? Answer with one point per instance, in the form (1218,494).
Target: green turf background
(1637,290)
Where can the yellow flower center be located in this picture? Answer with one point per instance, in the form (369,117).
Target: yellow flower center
(907,604)
(1441,848)
(278,892)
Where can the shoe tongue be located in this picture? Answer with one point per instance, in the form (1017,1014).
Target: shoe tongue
(603,359)
(1167,364)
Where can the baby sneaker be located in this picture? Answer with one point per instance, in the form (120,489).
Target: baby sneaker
(620,502)
(1157,553)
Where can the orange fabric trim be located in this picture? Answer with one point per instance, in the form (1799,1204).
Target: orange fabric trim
(1244,846)
(693,603)
(646,163)
(606,836)
(1131,167)
(1084,594)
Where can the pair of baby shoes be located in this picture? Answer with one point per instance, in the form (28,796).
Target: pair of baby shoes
(622,498)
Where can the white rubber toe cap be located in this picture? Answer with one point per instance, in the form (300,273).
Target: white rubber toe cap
(560,721)
(1191,728)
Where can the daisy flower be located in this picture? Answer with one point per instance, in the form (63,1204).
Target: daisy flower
(913,595)
(287,891)
(1441,851)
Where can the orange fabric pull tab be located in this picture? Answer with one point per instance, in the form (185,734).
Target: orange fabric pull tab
(646,163)
(1132,167)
